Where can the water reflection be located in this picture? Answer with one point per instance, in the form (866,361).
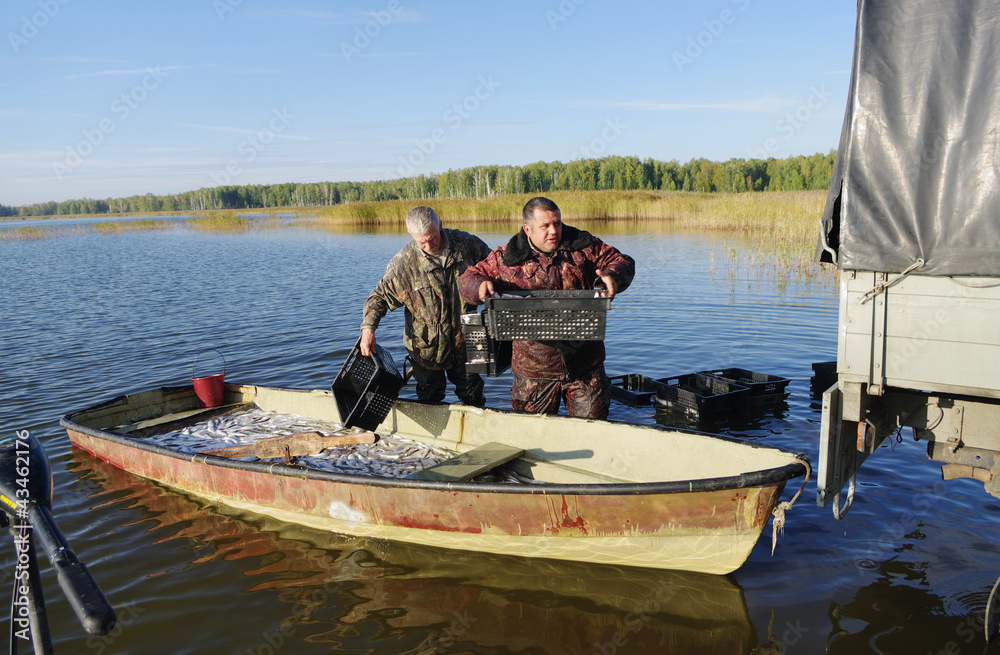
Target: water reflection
(755,420)
(898,613)
(363,595)
(90,317)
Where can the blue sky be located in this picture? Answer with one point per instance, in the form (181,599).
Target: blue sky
(107,99)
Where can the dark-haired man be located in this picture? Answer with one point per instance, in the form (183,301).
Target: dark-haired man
(545,254)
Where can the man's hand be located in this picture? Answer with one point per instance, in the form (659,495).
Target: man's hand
(609,284)
(485,290)
(367,341)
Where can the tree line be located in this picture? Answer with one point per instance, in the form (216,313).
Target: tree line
(612,172)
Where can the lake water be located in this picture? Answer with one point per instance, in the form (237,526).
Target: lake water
(87,317)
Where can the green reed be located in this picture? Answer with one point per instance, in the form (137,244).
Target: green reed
(784,225)
(141,225)
(36,233)
(227,221)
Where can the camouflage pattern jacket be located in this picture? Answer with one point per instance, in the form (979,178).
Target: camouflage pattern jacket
(573,265)
(432,333)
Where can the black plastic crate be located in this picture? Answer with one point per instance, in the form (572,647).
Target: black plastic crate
(633,389)
(578,315)
(483,355)
(825,373)
(824,377)
(760,384)
(700,395)
(366,387)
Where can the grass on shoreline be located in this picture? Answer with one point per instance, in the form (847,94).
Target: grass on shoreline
(780,226)
(120,227)
(792,215)
(34,233)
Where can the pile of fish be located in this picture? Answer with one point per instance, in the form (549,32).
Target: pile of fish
(391,456)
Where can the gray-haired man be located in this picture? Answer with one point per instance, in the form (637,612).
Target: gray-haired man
(423,278)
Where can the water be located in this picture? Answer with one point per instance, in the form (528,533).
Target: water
(88,317)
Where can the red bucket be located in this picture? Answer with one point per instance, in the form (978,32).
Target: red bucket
(210,389)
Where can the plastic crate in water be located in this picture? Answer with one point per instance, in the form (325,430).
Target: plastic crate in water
(759,384)
(633,389)
(824,377)
(547,316)
(366,387)
(700,395)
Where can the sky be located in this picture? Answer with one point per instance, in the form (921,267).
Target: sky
(104,99)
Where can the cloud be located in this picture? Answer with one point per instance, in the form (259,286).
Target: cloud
(373,55)
(401,15)
(255,71)
(131,71)
(241,130)
(762,104)
(85,60)
(165,150)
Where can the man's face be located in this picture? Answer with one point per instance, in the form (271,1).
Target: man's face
(431,243)
(545,231)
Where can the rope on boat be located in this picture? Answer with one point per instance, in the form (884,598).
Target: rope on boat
(778,526)
(882,286)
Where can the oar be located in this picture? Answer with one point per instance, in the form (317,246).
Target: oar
(26,495)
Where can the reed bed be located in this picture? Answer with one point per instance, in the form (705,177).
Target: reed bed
(774,229)
(767,211)
(142,225)
(782,226)
(35,233)
(231,222)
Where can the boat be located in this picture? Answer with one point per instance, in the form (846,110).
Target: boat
(505,601)
(596,491)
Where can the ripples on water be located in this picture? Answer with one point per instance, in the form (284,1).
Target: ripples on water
(89,317)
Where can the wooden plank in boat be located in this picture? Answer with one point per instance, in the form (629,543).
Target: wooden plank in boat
(180,420)
(293,445)
(470,464)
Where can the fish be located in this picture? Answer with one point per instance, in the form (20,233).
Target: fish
(391,456)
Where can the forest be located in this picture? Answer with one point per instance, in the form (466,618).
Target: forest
(613,173)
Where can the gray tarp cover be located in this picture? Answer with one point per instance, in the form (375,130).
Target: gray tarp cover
(918,169)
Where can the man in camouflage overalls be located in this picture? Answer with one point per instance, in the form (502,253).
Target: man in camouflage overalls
(546,254)
(423,278)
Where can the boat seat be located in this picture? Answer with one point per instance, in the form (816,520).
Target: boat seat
(469,464)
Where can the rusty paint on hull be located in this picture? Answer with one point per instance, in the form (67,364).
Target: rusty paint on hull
(560,526)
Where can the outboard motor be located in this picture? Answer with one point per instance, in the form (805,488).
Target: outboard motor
(26,498)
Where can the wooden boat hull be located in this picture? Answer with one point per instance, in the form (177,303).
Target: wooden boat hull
(709,525)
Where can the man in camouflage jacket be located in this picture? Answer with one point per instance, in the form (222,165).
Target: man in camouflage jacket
(423,278)
(546,254)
